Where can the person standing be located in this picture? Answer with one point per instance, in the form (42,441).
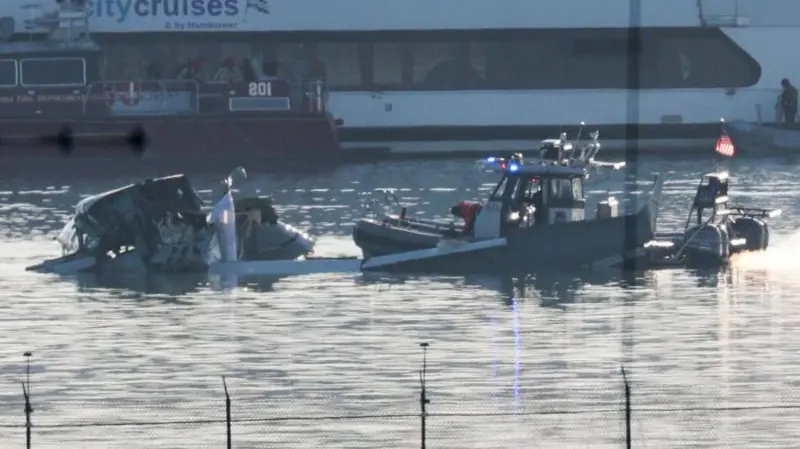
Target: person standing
(788,102)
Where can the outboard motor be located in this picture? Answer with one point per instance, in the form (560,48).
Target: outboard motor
(710,245)
(754,230)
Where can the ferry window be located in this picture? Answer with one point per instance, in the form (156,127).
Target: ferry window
(388,65)
(606,59)
(342,67)
(534,62)
(53,71)
(705,58)
(444,66)
(8,73)
(592,47)
(477,58)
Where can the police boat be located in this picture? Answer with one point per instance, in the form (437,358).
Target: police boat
(534,219)
(715,229)
(385,232)
(160,225)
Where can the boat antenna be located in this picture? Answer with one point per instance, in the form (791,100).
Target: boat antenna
(580,131)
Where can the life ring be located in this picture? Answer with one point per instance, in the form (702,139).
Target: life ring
(130,96)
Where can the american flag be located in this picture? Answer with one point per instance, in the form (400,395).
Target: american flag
(259,5)
(725,146)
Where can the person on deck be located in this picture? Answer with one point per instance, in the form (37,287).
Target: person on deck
(788,102)
(468,210)
(228,72)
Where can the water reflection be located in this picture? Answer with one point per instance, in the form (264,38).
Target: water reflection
(169,285)
(558,289)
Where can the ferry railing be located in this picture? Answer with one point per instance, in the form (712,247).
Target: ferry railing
(720,14)
(149,96)
(316,90)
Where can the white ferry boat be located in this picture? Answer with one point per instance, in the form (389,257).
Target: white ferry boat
(461,75)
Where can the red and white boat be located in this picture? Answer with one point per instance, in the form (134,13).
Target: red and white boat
(56,101)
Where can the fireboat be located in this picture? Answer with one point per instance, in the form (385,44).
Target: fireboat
(55,103)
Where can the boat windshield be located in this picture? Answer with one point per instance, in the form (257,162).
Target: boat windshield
(566,188)
(74,239)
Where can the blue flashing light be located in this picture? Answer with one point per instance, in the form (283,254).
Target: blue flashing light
(491,159)
(513,167)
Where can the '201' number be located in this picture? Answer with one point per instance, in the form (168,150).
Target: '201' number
(260,89)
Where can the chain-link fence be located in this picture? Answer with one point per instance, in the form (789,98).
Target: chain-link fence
(547,421)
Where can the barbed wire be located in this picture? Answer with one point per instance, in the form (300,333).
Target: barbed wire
(388,416)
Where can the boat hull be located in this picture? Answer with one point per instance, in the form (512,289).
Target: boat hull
(390,236)
(522,250)
(755,139)
(236,139)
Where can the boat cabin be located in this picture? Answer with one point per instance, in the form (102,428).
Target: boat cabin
(532,195)
(51,78)
(46,78)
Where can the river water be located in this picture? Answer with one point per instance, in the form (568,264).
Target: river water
(332,360)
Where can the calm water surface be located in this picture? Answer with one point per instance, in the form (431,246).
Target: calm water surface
(711,356)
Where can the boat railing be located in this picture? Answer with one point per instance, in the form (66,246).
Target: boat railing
(183,96)
(157,97)
(307,95)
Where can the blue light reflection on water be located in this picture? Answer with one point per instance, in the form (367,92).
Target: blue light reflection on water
(496,374)
(517,350)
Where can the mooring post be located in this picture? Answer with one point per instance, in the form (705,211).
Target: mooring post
(26,392)
(627,409)
(423,398)
(227,413)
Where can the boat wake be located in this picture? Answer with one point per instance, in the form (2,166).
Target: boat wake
(784,255)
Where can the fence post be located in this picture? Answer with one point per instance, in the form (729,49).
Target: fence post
(423,398)
(26,391)
(227,413)
(627,409)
